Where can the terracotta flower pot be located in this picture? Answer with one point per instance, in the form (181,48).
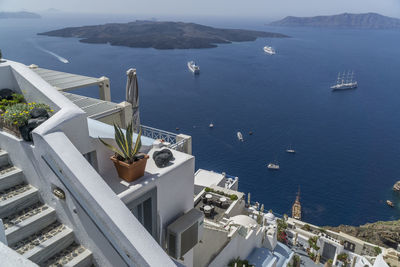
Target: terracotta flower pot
(130,172)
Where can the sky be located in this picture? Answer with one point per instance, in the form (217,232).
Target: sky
(220,8)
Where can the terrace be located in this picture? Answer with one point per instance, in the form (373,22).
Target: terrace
(217,203)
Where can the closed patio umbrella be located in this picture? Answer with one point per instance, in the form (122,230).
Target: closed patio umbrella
(132,96)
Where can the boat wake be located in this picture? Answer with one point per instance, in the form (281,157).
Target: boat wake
(60,58)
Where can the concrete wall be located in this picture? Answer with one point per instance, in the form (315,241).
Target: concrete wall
(239,246)
(235,208)
(204,252)
(7,79)
(174,196)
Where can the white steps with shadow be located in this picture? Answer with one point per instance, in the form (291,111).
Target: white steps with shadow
(31,227)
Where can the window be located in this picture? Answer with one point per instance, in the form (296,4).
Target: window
(145,210)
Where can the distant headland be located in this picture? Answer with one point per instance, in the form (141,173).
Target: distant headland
(19,15)
(345,20)
(160,35)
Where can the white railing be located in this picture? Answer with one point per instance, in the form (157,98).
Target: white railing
(158,134)
(167,137)
(179,146)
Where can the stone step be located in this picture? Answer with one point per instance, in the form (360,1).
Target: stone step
(10,176)
(28,221)
(4,161)
(73,256)
(44,244)
(17,198)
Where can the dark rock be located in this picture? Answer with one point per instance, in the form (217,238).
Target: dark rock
(26,130)
(35,122)
(162,157)
(25,133)
(38,113)
(6,94)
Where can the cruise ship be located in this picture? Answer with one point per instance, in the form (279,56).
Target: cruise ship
(269,50)
(63,203)
(345,81)
(193,67)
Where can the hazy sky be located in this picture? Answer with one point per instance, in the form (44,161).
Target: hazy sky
(232,8)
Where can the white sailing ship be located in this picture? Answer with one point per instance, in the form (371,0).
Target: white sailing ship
(345,81)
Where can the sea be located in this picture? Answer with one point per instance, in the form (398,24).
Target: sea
(347,142)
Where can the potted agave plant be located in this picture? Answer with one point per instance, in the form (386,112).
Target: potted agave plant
(130,164)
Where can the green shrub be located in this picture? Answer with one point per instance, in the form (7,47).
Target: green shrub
(342,257)
(233,197)
(306,227)
(207,189)
(240,263)
(377,250)
(16,98)
(18,114)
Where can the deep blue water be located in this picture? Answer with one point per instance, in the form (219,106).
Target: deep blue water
(348,142)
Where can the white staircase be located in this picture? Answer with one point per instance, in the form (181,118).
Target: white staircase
(31,227)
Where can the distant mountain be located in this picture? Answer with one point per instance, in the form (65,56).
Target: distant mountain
(346,20)
(160,35)
(19,15)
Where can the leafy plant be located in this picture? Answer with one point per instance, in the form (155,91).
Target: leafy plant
(16,98)
(377,250)
(240,263)
(296,260)
(342,257)
(312,241)
(306,227)
(18,114)
(125,151)
(233,197)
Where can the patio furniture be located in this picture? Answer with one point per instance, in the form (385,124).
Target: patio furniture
(207,210)
(208,198)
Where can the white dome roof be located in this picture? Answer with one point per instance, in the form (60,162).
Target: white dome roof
(243,220)
(269,216)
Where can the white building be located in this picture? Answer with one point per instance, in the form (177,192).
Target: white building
(205,178)
(61,199)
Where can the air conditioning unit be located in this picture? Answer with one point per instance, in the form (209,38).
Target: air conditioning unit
(184,233)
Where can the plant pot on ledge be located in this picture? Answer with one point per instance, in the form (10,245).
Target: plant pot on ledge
(130,172)
(130,164)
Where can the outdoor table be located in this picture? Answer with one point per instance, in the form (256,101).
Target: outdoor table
(207,208)
(209,196)
(222,199)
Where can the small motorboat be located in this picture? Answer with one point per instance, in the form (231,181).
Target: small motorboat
(273,166)
(211,125)
(390,203)
(240,136)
